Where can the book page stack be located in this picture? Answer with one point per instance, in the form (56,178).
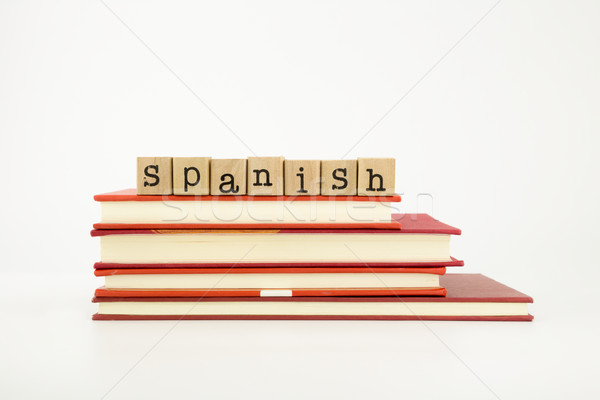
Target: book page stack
(245,257)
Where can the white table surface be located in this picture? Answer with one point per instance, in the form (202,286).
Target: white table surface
(490,109)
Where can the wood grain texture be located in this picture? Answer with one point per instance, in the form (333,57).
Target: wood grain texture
(228,177)
(191,176)
(154,175)
(302,177)
(265,176)
(338,177)
(376,176)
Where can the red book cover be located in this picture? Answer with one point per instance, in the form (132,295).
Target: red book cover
(266,270)
(460,288)
(130,195)
(410,223)
(272,225)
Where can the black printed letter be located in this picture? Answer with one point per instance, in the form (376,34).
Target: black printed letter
(372,176)
(301,175)
(149,175)
(343,179)
(230,183)
(185,177)
(258,172)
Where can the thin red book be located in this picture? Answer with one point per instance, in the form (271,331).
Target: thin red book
(102,292)
(470,297)
(269,282)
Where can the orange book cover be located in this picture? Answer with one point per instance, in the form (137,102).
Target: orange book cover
(253,292)
(131,195)
(102,292)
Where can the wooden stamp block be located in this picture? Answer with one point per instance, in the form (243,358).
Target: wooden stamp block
(302,177)
(376,176)
(228,177)
(191,176)
(338,177)
(154,175)
(265,176)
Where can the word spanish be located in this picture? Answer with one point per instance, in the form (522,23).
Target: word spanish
(265,176)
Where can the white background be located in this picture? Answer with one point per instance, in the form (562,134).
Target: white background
(496,118)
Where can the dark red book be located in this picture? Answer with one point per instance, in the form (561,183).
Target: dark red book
(423,241)
(470,297)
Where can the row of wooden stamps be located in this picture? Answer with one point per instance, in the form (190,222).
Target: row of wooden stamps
(265,176)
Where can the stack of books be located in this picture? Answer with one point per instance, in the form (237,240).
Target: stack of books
(255,257)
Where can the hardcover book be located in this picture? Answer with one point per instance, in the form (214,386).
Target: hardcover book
(422,239)
(265,282)
(470,297)
(126,210)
